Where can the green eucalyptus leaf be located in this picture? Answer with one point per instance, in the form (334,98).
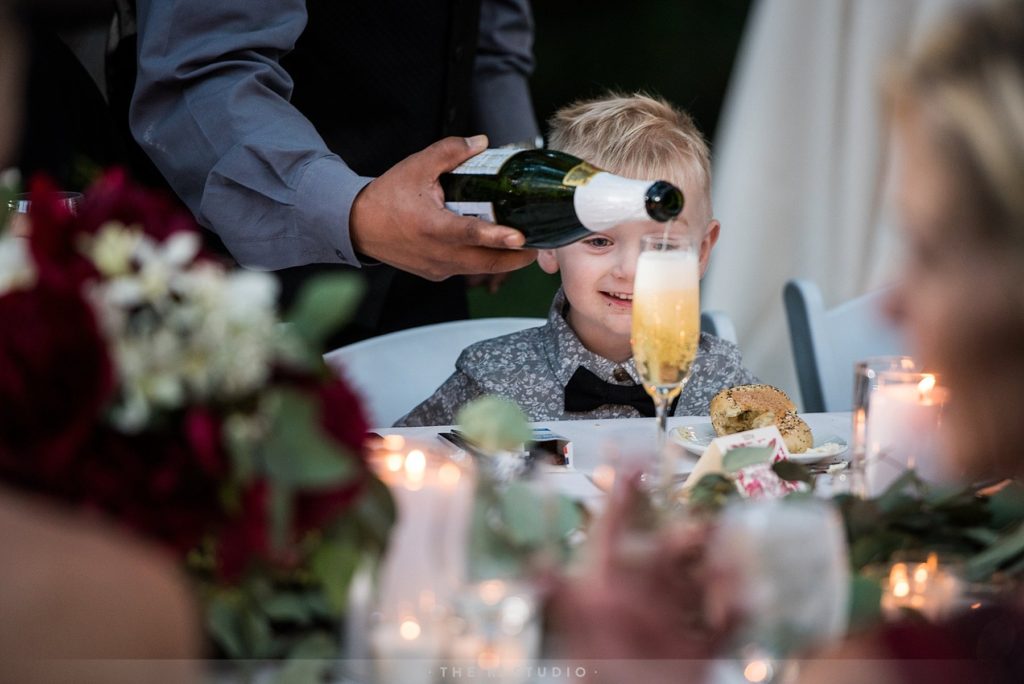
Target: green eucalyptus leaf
(256,633)
(375,511)
(894,496)
(303,671)
(792,471)
(523,512)
(982,536)
(494,423)
(324,303)
(334,564)
(319,644)
(288,607)
(280,514)
(224,624)
(982,565)
(299,452)
(865,602)
(1007,506)
(744,457)
(940,496)
(568,517)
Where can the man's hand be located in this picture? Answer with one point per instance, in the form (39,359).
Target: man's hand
(400,219)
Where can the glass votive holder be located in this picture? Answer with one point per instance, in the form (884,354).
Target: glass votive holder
(903,429)
(919,582)
(496,631)
(865,381)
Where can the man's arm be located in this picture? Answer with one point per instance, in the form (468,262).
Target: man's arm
(502,107)
(211,110)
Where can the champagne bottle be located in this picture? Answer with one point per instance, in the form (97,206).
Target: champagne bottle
(552,197)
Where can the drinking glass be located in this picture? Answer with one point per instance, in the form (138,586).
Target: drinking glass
(865,381)
(787,594)
(19,207)
(666,329)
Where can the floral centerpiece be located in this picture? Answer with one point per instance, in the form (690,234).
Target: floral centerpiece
(143,379)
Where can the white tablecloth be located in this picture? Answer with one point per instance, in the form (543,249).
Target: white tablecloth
(598,441)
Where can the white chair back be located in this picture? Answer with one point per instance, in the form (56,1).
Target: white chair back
(828,342)
(395,372)
(719,324)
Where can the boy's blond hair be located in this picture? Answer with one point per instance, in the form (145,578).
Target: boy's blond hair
(638,136)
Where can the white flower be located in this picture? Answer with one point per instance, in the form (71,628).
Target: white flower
(16,268)
(112,248)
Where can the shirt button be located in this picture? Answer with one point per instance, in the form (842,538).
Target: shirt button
(620,374)
(338,254)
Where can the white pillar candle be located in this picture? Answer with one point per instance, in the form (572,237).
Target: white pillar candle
(425,561)
(903,426)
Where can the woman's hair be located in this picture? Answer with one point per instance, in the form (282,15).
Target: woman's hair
(638,136)
(967,82)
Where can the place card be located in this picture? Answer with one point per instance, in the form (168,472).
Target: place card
(753,481)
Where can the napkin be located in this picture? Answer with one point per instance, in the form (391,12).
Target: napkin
(753,481)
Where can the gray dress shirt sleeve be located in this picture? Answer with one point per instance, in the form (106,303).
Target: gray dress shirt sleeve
(502,107)
(211,110)
(440,407)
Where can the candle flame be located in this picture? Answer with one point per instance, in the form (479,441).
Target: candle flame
(394,442)
(415,465)
(409,629)
(488,658)
(925,387)
(393,462)
(492,591)
(901,589)
(756,671)
(921,573)
(449,475)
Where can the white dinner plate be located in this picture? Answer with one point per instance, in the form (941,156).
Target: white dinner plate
(696,437)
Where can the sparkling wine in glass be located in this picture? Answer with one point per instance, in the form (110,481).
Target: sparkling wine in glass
(666,328)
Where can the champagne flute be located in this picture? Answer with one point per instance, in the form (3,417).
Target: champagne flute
(666,328)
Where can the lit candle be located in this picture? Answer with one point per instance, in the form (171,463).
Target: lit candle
(405,652)
(903,425)
(924,587)
(425,560)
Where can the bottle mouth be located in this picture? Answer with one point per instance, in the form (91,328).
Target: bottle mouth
(663,201)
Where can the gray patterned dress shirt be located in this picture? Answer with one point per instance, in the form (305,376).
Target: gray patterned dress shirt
(533,366)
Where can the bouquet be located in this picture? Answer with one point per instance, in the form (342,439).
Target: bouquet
(144,380)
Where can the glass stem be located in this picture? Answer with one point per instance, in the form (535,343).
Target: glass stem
(666,462)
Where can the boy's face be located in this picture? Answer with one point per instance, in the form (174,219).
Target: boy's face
(597,276)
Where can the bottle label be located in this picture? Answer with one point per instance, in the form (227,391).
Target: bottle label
(484,210)
(580,174)
(487,163)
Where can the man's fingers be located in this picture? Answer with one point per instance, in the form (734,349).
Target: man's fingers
(447,153)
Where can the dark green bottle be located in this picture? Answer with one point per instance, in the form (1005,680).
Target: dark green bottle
(552,197)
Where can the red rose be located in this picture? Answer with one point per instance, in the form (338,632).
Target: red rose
(343,419)
(153,482)
(55,378)
(56,234)
(246,536)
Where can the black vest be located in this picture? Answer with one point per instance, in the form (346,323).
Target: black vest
(380,80)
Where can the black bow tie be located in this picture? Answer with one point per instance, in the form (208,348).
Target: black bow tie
(586,392)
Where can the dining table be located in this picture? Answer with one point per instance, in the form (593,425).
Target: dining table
(614,441)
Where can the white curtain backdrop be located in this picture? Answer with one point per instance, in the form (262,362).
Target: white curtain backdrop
(800,164)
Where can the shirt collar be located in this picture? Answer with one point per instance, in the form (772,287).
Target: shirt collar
(566,352)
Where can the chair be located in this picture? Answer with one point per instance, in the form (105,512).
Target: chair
(396,371)
(719,324)
(828,342)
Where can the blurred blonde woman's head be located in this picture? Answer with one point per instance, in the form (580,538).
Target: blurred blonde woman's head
(639,136)
(958,107)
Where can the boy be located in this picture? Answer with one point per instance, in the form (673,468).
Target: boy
(545,369)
